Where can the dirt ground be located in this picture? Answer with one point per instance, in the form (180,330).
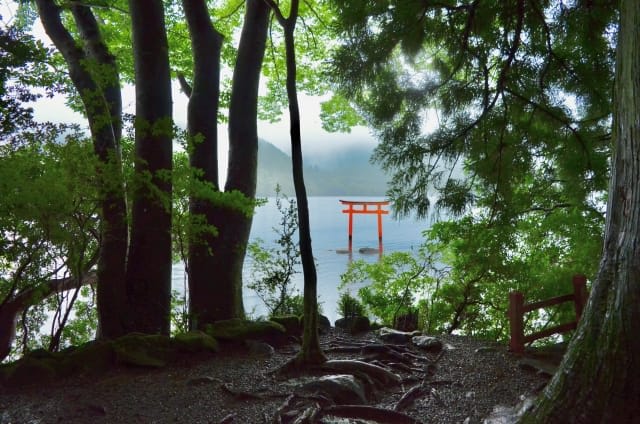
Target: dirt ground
(467,380)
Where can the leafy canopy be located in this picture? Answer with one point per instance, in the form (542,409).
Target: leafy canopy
(521,92)
(499,112)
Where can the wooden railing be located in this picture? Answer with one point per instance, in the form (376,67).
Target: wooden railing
(517,309)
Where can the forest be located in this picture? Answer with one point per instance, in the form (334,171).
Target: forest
(520,118)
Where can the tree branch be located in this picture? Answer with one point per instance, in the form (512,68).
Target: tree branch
(10,310)
(97,6)
(233,12)
(96,106)
(317,15)
(563,120)
(276,12)
(184,84)
(98,50)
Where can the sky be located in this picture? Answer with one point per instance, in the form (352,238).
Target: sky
(315,140)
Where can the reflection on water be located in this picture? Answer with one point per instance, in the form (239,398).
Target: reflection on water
(330,246)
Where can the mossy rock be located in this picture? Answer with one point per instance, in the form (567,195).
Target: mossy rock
(98,357)
(195,341)
(92,358)
(29,371)
(41,366)
(291,323)
(237,330)
(143,350)
(354,325)
(360,325)
(324,325)
(42,354)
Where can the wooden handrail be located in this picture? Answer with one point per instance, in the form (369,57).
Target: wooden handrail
(549,302)
(562,328)
(517,309)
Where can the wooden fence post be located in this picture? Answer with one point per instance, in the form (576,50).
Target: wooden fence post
(516,321)
(580,294)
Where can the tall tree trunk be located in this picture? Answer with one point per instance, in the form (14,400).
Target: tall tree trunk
(103,106)
(111,290)
(311,352)
(224,295)
(149,261)
(202,125)
(599,378)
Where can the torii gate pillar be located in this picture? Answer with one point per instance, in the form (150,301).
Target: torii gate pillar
(365,207)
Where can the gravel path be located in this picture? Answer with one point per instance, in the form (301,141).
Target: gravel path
(468,381)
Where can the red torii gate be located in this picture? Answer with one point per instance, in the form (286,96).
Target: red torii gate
(364,207)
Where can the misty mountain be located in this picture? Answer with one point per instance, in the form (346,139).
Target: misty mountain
(346,173)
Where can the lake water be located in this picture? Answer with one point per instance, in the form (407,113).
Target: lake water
(329,234)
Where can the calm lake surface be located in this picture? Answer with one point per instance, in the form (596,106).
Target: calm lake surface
(328,234)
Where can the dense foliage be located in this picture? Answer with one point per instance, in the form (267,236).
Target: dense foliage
(390,288)
(501,113)
(48,232)
(48,221)
(17,52)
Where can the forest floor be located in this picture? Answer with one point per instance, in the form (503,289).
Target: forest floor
(469,381)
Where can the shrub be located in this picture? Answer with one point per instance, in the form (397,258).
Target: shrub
(349,306)
(273,268)
(395,284)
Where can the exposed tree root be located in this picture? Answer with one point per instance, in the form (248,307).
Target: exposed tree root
(240,394)
(379,415)
(377,369)
(285,405)
(297,366)
(244,395)
(343,349)
(288,411)
(405,368)
(436,395)
(309,415)
(423,389)
(380,374)
(228,419)
(414,393)
(348,341)
(384,353)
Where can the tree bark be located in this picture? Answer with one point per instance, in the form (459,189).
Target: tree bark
(597,381)
(103,106)
(224,292)
(97,49)
(311,352)
(202,119)
(148,276)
